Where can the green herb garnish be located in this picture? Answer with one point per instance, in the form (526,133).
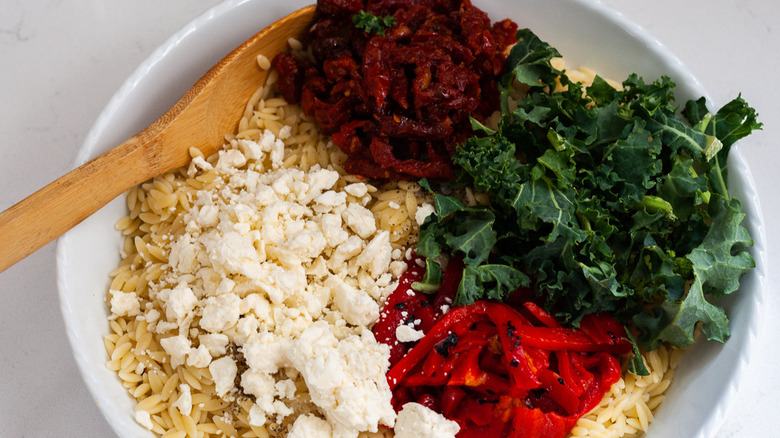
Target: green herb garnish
(371,23)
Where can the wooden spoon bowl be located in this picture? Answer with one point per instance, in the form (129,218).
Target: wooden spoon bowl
(201,118)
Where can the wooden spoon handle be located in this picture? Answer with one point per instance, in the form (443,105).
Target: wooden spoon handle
(58,207)
(200,119)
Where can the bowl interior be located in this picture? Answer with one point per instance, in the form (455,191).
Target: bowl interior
(585,32)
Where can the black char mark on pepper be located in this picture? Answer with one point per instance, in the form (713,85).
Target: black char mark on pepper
(443,347)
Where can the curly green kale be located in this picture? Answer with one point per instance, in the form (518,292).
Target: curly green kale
(603,199)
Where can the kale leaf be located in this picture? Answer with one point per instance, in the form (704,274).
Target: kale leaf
(603,199)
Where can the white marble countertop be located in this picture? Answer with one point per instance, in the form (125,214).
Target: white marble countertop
(60,62)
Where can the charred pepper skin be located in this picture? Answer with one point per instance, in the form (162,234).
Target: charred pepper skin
(510,372)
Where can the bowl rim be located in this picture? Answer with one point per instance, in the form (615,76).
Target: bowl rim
(122,425)
(712,420)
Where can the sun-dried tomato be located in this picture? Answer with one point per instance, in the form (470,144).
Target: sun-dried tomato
(290,81)
(398,104)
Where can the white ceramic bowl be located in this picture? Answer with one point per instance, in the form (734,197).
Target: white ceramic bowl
(585,32)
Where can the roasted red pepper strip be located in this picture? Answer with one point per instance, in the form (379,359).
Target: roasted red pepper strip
(524,365)
(451,397)
(406,304)
(559,392)
(539,313)
(573,372)
(609,369)
(559,338)
(467,372)
(533,423)
(477,411)
(461,315)
(604,329)
(494,371)
(453,273)
(399,306)
(429,402)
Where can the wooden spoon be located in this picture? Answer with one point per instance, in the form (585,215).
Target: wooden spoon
(201,118)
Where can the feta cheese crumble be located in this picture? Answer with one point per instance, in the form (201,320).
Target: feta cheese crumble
(270,285)
(417,421)
(144,419)
(345,378)
(405,333)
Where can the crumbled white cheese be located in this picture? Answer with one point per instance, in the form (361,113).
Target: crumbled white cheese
(306,244)
(310,426)
(357,307)
(124,303)
(377,254)
(344,252)
(152,315)
(220,313)
(184,402)
(404,333)
(177,347)
(281,410)
(199,357)
(357,190)
(332,199)
(397,268)
(331,229)
(257,416)
(285,268)
(423,212)
(202,163)
(250,149)
(285,389)
(345,378)
(179,302)
(207,216)
(285,132)
(230,253)
(266,352)
(417,421)
(144,418)
(360,220)
(223,372)
(226,285)
(165,326)
(215,343)
(246,327)
(261,385)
